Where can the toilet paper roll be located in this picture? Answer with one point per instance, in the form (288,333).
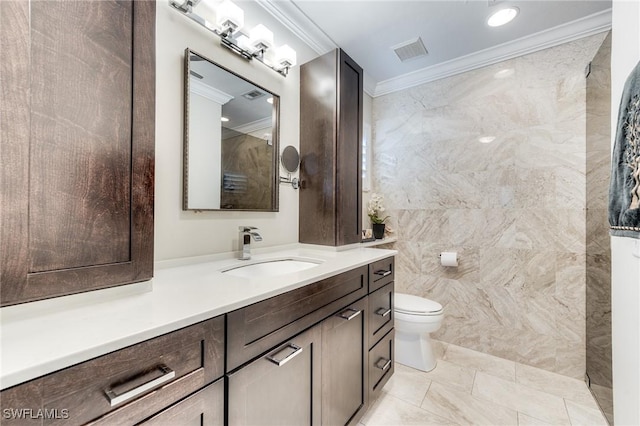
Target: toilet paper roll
(449,258)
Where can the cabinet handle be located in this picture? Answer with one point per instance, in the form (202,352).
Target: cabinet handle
(383,273)
(280,362)
(385,366)
(116,398)
(383,312)
(349,317)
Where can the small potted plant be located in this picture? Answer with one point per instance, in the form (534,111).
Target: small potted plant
(375,208)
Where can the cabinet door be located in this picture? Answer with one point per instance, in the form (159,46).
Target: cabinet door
(280,388)
(77,131)
(349,152)
(344,363)
(204,408)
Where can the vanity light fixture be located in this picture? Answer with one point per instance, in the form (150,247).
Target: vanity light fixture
(226,20)
(503,16)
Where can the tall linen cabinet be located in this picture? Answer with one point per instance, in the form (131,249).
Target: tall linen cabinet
(331,105)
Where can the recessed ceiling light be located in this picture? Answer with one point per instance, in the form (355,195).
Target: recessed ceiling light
(270,100)
(502,16)
(487,139)
(224,119)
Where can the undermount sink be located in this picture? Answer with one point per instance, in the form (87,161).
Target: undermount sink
(271,267)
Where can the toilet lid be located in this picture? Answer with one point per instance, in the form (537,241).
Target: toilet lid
(410,304)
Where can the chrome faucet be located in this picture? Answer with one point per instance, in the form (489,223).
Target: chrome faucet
(246,232)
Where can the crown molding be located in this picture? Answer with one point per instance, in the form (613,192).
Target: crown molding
(200,88)
(369,84)
(574,30)
(254,126)
(299,24)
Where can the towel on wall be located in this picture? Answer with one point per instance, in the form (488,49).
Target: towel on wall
(624,191)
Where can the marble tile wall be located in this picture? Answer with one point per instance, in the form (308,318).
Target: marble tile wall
(598,249)
(513,209)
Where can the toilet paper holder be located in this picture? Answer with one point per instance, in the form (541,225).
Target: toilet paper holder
(449,258)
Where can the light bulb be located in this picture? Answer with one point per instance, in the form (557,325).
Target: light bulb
(285,56)
(261,37)
(229,15)
(502,16)
(206,11)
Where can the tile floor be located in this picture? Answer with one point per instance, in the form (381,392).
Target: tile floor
(472,388)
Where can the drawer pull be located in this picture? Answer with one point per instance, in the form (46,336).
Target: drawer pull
(385,366)
(116,398)
(383,312)
(343,314)
(382,273)
(280,362)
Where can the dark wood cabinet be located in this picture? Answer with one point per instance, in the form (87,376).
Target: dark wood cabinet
(256,328)
(331,105)
(125,386)
(344,365)
(282,387)
(77,130)
(380,313)
(204,408)
(381,364)
(314,355)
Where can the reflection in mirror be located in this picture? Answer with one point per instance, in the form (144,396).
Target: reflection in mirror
(231,140)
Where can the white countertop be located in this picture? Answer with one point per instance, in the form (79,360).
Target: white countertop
(42,337)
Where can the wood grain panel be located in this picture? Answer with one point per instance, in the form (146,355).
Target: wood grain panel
(255,329)
(15,122)
(380,301)
(381,273)
(263,393)
(345,380)
(331,104)
(78,143)
(380,353)
(205,408)
(318,126)
(349,152)
(195,353)
(17,403)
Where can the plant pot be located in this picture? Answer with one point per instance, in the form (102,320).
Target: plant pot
(378,230)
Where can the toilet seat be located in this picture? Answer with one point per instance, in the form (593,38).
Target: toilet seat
(414,305)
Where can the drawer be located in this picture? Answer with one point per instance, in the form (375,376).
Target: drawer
(204,408)
(380,313)
(381,359)
(255,329)
(132,383)
(381,273)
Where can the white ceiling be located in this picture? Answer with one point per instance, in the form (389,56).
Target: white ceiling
(454,32)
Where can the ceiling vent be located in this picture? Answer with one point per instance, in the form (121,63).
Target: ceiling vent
(254,94)
(410,49)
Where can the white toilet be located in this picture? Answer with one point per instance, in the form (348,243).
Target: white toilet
(415,318)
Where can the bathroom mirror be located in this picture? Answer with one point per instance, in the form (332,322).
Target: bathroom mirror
(230,140)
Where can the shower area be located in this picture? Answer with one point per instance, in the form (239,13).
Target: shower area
(598,250)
